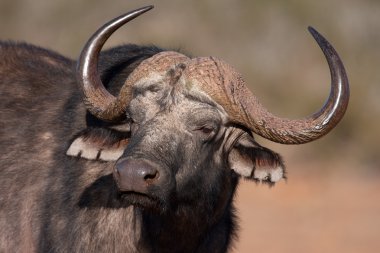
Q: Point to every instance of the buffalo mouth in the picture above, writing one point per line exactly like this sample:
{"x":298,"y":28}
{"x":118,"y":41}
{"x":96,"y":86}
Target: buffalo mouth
{"x":140,"y":200}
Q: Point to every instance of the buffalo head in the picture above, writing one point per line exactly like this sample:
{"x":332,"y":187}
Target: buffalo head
{"x":186,"y":126}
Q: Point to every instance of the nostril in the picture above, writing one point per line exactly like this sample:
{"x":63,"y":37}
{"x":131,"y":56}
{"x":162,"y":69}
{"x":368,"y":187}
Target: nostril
{"x":136,"y":175}
{"x":149,"y":177}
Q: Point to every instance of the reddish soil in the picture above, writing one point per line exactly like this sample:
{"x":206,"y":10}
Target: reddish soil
{"x":338,"y":212}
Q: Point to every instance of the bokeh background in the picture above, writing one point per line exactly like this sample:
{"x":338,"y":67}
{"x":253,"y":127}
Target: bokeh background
{"x":331,"y":200}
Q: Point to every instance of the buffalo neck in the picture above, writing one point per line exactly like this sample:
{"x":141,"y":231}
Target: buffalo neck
{"x":184,"y":231}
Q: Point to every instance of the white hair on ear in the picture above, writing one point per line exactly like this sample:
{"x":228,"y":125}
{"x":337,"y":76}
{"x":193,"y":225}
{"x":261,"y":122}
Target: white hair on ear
{"x":269,"y":174}
{"x":82,"y":149}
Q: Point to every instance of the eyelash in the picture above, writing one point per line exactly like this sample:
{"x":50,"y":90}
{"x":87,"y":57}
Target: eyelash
{"x":206,"y":129}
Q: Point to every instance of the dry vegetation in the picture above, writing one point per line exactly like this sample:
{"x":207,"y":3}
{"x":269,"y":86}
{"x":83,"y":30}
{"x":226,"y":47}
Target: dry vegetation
{"x":331,"y":200}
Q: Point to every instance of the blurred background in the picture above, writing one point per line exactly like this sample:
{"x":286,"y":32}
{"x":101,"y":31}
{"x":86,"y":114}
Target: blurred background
{"x":331,"y":200}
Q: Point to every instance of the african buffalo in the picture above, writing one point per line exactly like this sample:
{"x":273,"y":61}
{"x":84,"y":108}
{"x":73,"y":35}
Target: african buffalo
{"x":137,"y":149}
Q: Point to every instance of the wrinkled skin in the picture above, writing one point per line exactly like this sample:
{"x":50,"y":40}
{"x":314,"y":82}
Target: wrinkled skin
{"x":186,"y":137}
{"x":57,"y":186}
{"x":173,"y":134}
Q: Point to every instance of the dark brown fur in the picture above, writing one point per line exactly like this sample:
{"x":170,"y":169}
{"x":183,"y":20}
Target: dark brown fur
{"x":51,"y":202}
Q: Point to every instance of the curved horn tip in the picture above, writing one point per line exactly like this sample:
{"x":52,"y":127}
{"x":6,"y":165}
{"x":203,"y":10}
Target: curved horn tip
{"x":135,"y":13}
{"x":98,"y":100}
{"x":322,"y":41}
{"x":317,"y":36}
{"x":145,"y":8}
{"x":312,"y":29}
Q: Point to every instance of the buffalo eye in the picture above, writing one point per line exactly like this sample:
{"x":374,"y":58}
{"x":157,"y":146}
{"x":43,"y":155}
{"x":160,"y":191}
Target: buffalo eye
{"x":206,"y":132}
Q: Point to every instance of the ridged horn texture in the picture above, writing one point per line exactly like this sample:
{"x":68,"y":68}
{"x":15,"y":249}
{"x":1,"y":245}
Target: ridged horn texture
{"x":97,"y":99}
{"x":221,"y":82}
{"x":159,"y":63}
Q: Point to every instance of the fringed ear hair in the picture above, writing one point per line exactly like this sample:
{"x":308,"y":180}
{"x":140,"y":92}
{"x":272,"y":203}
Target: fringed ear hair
{"x":252,"y":161}
{"x":98,"y":144}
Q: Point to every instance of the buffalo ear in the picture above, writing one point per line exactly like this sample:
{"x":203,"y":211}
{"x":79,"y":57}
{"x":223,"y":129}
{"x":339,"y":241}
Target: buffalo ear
{"x":98,"y":144}
{"x":252,"y":161}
